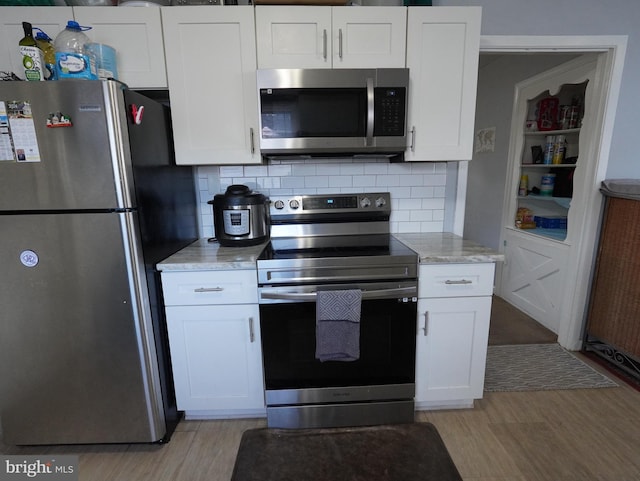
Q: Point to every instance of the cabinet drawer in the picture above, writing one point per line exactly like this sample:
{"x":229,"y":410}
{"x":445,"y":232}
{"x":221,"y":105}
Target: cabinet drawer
{"x":455,"y":280}
{"x":210,"y":287}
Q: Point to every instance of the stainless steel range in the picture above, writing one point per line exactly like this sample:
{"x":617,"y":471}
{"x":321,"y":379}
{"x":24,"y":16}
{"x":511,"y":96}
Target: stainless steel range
{"x":337,"y":243}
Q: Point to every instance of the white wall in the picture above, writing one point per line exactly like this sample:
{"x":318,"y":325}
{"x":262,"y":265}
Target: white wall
{"x":580,"y":17}
{"x":417,"y":189}
{"x":487,"y":171}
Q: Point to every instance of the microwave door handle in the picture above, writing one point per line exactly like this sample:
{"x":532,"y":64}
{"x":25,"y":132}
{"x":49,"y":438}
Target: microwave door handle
{"x":370,"y":103}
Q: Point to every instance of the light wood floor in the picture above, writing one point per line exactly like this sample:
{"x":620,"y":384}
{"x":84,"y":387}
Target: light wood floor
{"x":572,"y":435}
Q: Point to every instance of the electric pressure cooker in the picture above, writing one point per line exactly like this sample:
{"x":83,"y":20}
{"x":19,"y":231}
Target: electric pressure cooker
{"x":241,"y":216}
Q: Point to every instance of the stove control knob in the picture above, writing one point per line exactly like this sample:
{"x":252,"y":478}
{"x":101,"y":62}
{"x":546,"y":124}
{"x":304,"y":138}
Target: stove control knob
{"x":278,"y":204}
{"x":365,"y":202}
{"x":380,"y":202}
{"x":294,"y":204}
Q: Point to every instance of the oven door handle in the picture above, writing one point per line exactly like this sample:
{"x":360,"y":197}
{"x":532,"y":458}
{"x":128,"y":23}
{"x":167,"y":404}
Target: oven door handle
{"x":311,"y":296}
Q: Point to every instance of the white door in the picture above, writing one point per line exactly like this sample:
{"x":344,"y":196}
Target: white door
{"x":51,"y":20}
{"x":136,"y":34}
{"x":442,"y":55}
{"x":540,"y":273}
{"x":293,"y":36}
{"x":451,"y":348}
{"x":211,"y":68}
{"x":216,"y":357}
{"x":369,"y":37}
{"x":534,"y":276}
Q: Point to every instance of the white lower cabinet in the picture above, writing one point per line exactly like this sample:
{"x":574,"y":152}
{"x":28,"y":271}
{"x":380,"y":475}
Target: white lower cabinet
{"x":215,"y":348}
{"x":454,"y":309}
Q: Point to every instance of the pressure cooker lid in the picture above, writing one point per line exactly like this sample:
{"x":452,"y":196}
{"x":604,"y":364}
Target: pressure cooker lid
{"x":238,"y":194}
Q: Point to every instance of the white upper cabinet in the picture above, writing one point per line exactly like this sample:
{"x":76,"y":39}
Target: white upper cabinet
{"x":331,"y":37}
{"x":136,"y":34}
{"x":443,"y":45}
{"x":211,"y":67}
{"x":50,"y":20}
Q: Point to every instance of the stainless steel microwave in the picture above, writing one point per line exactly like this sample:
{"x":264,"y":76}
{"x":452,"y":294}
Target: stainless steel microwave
{"x":333,"y":112}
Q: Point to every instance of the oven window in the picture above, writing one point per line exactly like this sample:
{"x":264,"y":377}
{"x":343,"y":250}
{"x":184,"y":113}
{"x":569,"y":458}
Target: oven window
{"x":387,"y":346}
{"x":294,"y":113}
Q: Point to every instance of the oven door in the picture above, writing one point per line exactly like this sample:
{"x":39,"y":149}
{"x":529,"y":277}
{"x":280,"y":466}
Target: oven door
{"x":385,"y":369}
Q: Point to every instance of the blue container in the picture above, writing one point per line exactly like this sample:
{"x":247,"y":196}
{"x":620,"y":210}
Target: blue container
{"x":105,"y":59}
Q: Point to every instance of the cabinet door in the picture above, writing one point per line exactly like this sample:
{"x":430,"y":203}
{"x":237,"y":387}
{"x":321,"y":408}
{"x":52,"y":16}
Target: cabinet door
{"x":442,"y":54}
{"x":136,"y":34}
{"x":451,"y":348}
{"x":50,"y":19}
{"x":293,"y":36}
{"x":211,"y":68}
{"x":369,"y":37}
{"x":216,"y":357}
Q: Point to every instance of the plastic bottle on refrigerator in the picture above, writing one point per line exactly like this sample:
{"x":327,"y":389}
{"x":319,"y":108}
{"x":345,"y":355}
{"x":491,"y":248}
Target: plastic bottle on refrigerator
{"x":45,"y":43}
{"x":72,"y":60}
{"x":32,"y":56}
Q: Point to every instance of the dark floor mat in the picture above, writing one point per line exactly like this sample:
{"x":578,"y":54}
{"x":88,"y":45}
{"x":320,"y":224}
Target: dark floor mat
{"x":404,"y":452}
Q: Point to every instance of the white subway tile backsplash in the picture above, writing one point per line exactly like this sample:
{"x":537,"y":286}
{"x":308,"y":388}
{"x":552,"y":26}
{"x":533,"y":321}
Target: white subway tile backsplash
{"x":417,"y":189}
{"x":316,"y":181}
{"x":379,"y":169}
{"x":328,"y":169}
{"x":363,"y":180}
{"x":336,"y":181}
{"x":279,"y":170}
{"x":303,"y":169}
{"x":421,"y":192}
{"x":294,"y":183}
{"x":387,"y":180}
{"x":231,"y":171}
{"x":435,"y":179}
{"x":256,"y":171}
{"x":352,"y":169}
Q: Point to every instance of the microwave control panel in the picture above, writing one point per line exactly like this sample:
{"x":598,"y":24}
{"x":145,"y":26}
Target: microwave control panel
{"x":390,"y":111}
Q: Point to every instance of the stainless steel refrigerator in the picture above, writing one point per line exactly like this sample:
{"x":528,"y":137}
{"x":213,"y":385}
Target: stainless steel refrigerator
{"x":90,"y":201}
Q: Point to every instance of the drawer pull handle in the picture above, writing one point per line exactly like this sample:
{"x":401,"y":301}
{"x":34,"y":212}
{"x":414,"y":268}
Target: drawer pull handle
{"x":426,"y":323}
{"x":458,"y":282}
{"x":252,"y":335}
{"x":209,"y":289}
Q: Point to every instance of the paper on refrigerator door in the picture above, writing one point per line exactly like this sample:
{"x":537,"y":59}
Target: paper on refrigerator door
{"x":22,"y":131}
{"x":6,"y":148}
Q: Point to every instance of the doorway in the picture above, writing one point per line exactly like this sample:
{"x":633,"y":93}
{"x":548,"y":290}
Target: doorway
{"x":506,"y":61}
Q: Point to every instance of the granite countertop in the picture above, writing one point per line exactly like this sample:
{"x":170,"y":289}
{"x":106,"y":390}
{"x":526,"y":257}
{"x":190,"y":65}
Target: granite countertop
{"x":203,"y":255}
{"x":431,"y":248}
{"x":444,"y":247}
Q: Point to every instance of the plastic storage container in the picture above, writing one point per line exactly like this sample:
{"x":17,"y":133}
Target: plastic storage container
{"x":72,"y":59}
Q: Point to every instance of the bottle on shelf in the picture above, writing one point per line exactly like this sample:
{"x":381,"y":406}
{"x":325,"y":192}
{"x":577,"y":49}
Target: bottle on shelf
{"x":524,"y":185}
{"x":72,"y":59}
{"x":32,"y":56}
{"x":559,"y":148}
